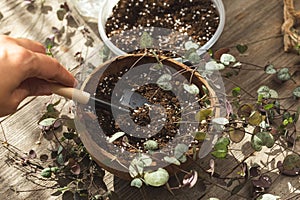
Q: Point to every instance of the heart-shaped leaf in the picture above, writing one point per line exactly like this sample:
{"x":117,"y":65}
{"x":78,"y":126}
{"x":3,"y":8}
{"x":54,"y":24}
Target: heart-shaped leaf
{"x":262,"y":139}
{"x":296,"y":92}
{"x":180,"y":150}
{"x":146,"y":40}
{"x":203,"y":114}
{"x":255,"y":118}
{"x":172,"y":160}
{"x":47,"y":122}
{"x":236,"y":134}
{"x":221,"y":148}
{"x":242,"y":48}
{"x":200,"y":136}
{"x":157,"y":178}
{"x":137,"y":182}
{"x":191,"y":88}
{"x":226,"y":59}
{"x":164,"y":82}
{"x":284,"y":74}
{"x":194,"y":57}
{"x":214,"y":66}
{"x":190,"y":45}
{"x":245,"y":110}
{"x":269,"y":69}
{"x":151,"y":145}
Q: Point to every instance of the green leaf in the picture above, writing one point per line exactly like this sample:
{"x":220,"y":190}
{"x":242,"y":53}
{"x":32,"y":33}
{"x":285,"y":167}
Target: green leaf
{"x":172,"y":160}
{"x":269,"y":69}
{"x":221,"y":148}
{"x":198,"y":135}
{"x":236,"y":91}
{"x":267,"y":93}
{"x":283,"y":74}
{"x":151,"y":145}
{"x":214,"y":66}
{"x":115,"y":136}
{"x":203,"y":114}
{"x":226,"y":59}
{"x":164,"y":82}
{"x":61,"y":14}
{"x":291,"y":162}
{"x":255,"y":118}
{"x":46,"y":173}
{"x":146,"y":40}
{"x":262,"y":139}
{"x":137,"y":182}
{"x":137,"y":165}
{"x":191,"y":88}
{"x":157,"y":178}
{"x":220,"y":121}
{"x":242,"y":48}
{"x":222,"y":143}
{"x":180,"y":150}
{"x":194,"y":57}
{"x":220,"y":153}
{"x":54,"y":169}
{"x":47,"y":122}
{"x":269,"y":106}
{"x":190,"y":45}
{"x":296,"y":92}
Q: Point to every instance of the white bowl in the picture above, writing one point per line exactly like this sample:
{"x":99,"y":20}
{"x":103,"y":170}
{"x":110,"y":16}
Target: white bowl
{"x":106,"y":11}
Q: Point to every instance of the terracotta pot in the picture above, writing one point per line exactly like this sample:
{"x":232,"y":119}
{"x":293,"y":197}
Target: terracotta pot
{"x":87,"y":123}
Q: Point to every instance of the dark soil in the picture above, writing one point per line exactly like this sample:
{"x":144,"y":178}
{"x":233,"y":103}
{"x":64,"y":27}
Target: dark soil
{"x":168,"y":116}
{"x":175,"y":21}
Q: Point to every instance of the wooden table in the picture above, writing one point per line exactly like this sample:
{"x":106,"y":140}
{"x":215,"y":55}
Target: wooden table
{"x":253,"y":22}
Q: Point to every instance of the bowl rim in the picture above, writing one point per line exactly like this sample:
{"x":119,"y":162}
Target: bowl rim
{"x":101,"y":28}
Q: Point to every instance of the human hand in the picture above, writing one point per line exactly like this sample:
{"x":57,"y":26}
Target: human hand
{"x":25,"y":70}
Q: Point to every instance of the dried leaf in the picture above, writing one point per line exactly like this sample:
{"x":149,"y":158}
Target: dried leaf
{"x":115,"y":136}
{"x":236,"y":134}
{"x":190,"y":179}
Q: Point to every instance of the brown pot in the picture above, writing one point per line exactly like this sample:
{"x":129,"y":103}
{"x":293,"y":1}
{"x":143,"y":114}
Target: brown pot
{"x":88,"y":126}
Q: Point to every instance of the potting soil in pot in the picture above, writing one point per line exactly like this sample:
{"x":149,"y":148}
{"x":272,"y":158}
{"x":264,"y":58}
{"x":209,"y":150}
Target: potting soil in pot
{"x":169,"y":22}
{"x":172,"y":114}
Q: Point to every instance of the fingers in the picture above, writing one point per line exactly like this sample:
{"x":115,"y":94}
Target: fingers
{"x":22,"y":42}
{"x":31,"y":45}
{"x":30,"y":87}
{"x":47,"y":68}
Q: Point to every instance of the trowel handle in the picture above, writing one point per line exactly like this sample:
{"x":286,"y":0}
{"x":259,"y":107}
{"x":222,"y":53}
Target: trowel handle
{"x":77,"y":95}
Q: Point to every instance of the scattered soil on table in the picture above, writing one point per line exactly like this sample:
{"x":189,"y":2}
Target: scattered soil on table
{"x":175,"y":21}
